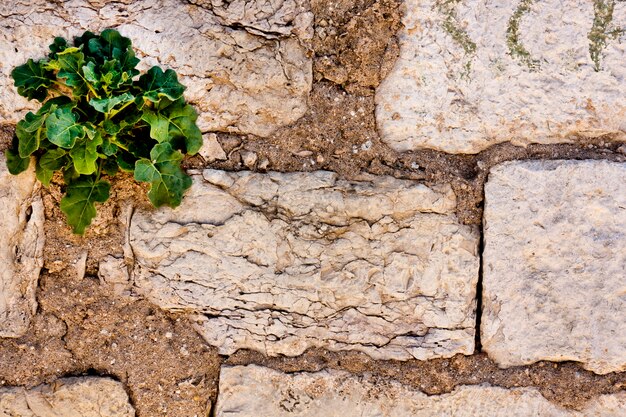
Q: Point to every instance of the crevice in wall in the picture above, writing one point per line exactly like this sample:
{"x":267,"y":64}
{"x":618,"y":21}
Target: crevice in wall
{"x":479,"y":292}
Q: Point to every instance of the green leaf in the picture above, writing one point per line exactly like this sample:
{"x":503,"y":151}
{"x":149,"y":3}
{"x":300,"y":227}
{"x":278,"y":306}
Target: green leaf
{"x":175,"y":123}
{"x":50,"y":162}
{"x":69,"y":173}
{"x":108,"y":148}
{"x":78,"y":204}
{"x":28,"y":132}
{"x":84,"y":154}
{"x":156,"y":84}
{"x":63,"y":129}
{"x":126,"y":161}
{"x":91,"y":76}
{"x":159,"y":125}
{"x":53,"y":159}
{"x":43,"y":175}
{"x":110,"y":167}
{"x":58,"y":45}
{"x":54,"y":103}
{"x":169,"y":181}
{"x":32,"y":80}
{"x":15,"y":163}
{"x":70,"y":63}
{"x":107,"y":104}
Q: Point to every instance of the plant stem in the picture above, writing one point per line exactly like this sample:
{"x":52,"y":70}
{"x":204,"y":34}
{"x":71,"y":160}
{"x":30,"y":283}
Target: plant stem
{"x":115,"y":112}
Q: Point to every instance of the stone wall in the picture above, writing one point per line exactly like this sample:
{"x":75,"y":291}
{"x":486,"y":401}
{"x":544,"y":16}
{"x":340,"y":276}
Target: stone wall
{"x":408,"y":208}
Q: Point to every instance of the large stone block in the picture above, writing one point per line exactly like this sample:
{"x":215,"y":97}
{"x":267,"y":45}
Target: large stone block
{"x":70,"y":397}
{"x":250,"y":391}
{"x":475,"y":73}
{"x":283,"y":262}
{"x":246,"y":68}
{"x":554,"y":264}
{"x":21,"y":249}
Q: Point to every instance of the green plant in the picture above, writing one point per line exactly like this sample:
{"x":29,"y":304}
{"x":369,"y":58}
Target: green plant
{"x":98,"y":117}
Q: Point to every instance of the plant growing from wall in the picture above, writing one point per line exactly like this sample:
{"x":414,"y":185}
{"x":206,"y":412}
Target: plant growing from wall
{"x":98,"y":117}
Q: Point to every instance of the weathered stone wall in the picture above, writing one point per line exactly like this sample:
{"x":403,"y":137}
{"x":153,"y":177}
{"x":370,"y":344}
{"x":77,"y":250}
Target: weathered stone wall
{"x":284,"y":262}
{"x":475,"y":73}
{"x":21,"y":249}
{"x":69,"y":397}
{"x":445,"y":270}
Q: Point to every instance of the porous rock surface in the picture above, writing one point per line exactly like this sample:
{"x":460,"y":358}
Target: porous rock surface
{"x":69,"y":397}
{"x":21,"y":249}
{"x":250,"y":391}
{"x":245,"y":64}
{"x":283,"y":262}
{"x":475,"y":73}
{"x":554,"y":264}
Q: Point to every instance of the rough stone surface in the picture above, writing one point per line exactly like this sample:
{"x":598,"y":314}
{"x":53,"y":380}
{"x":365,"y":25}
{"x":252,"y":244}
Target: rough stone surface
{"x":21,"y":249}
{"x":555,"y":264}
{"x":70,"y":397}
{"x":472,"y":74}
{"x":211,"y":149}
{"x":247,"y":391}
{"x":246,"y":69}
{"x":113,"y":271}
{"x":283,"y":262}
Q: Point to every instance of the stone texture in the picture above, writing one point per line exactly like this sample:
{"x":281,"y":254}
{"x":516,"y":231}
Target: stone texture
{"x":211,"y":149}
{"x":113,"y":272}
{"x":250,"y":391}
{"x":21,"y":249}
{"x":472,"y":74}
{"x":554,"y":264}
{"x":283,"y":262}
{"x":70,"y":397}
{"x":246,"y":69}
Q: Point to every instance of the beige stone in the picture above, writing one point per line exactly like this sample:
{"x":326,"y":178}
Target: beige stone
{"x":113,"y":272}
{"x":283,"y":262}
{"x":251,"y":391}
{"x":69,"y":397}
{"x":554,"y":264}
{"x":21,"y":249}
{"x":240,"y":78}
{"x":475,"y":73}
{"x":211,"y":149}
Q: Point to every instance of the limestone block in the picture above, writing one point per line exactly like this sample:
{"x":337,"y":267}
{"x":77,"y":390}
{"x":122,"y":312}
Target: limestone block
{"x":554,"y":264}
{"x":475,"y":73}
{"x":283,"y":262}
{"x":21,"y":249}
{"x":69,"y":397}
{"x":250,"y":391}
{"x":240,"y":78}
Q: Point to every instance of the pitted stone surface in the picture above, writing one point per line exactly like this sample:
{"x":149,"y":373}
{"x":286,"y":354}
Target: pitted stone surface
{"x":250,"y":77}
{"x":283,"y":262}
{"x":21,"y":249}
{"x":70,"y":397}
{"x":554,"y":264}
{"x":250,"y":391}
{"x":475,"y":73}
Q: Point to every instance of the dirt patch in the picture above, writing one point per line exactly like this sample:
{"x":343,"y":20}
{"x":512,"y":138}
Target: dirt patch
{"x":355,"y":44}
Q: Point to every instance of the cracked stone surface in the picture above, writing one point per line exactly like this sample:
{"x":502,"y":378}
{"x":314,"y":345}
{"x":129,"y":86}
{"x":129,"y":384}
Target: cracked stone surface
{"x":472,"y":74}
{"x":246,"y":68}
{"x":21,"y":249}
{"x":69,"y":397}
{"x":279,"y":263}
{"x":250,"y":391}
{"x":555,"y":264}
